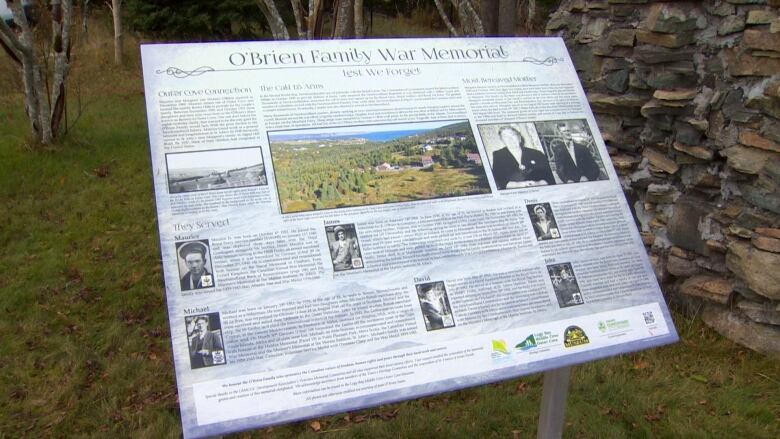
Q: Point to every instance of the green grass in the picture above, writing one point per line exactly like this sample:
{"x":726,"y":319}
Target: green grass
{"x":84,"y":338}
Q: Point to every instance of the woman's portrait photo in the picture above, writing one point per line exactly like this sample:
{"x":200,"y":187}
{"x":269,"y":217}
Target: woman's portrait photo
{"x":517,"y":158}
{"x":543,"y":221}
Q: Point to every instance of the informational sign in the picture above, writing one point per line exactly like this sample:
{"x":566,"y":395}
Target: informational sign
{"x":351,"y":223}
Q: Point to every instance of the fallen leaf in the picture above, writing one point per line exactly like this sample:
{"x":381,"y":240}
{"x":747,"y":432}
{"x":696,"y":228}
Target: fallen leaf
{"x":521,"y":388}
{"x":699,"y":378}
{"x":315,"y":425}
{"x":703,"y":402}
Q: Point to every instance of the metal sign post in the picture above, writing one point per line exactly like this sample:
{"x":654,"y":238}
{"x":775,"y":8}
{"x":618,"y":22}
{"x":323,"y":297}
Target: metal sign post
{"x":553,"y":408}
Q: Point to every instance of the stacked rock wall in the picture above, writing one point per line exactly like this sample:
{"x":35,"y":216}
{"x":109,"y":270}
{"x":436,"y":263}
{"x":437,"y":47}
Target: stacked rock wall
{"x":687,"y":96}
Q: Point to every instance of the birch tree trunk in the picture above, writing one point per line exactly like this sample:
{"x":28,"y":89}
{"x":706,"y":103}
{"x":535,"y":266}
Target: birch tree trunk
{"x":119,"y":47}
{"x":488,"y":13}
{"x":45,"y":111}
{"x":314,"y":20}
{"x":275,"y":21}
{"x":344,"y":19}
{"x":446,"y":19}
{"x":507,"y":17}
{"x":297,"y":8}
{"x":360,"y":30}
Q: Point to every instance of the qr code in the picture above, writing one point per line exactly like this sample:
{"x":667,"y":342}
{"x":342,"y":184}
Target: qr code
{"x":649,"y":318}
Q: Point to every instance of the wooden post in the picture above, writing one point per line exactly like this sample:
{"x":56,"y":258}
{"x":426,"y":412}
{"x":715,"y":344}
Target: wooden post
{"x":553,"y":409}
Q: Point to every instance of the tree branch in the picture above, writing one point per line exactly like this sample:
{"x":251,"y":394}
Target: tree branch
{"x":275,"y":21}
{"x":298,"y":13}
{"x":445,"y":18}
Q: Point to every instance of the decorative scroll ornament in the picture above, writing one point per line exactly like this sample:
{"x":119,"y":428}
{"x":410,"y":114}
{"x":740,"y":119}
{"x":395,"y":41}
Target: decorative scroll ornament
{"x":179,"y":73}
{"x":549,"y":61}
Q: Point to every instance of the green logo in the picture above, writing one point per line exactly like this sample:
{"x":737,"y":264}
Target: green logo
{"x":500,"y":346}
{"x":528,"y":343}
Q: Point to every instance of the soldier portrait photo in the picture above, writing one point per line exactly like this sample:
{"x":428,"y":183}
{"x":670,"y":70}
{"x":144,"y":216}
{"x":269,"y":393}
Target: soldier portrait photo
{"x":204,"y":339}
{"x":435,"y":305}
{"x":195,"y":270}
{"x":344,"y":247}
{"x":565,"y":285}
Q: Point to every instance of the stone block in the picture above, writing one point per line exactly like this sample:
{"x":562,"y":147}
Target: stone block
{"x":765,"y":196}
{"x":619,"y":105}
{"x":660,"y":161}
{"x":716,"y":289}
{"x":765,"y":312}
{"x":671,"y":41}
{"x":592,"y":29}
{"x":649,"y":54}
{"x":743,"y":64}
{"x":752,"y":138}
{"x":616,"y":81}
{"x":622,"y":37}
{"x":668,"y":18}
{"x":699,"y":152}
{"x":731,"y":24}
{"x":760,"y":16}
{"x":768,"y":231}
{"x":761,"y":40}
{"x":740,"y":329}
{"x":683,"y":227}
{"x":766,"y":243}
{"x":685,"y":133}
{"x":675,"y":95}
{"x":758,"y":268}
{"x":747,"y":160}
{"x":720,"y":8}
{"x":680,"y":267}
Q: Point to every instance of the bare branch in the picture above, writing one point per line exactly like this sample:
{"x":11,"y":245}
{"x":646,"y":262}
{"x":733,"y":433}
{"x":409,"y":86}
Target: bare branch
{"x":445,"y":18}
{"x":472,"y":17}
{"x":299,"y":14}
{"x":10,"y":40}
{"x":275,"y":21}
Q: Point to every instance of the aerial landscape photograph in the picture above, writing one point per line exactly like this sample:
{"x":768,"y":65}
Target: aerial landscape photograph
{"x":329,"y":168}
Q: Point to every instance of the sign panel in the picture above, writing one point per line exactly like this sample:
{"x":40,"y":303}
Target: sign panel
{"x":350,"y":223}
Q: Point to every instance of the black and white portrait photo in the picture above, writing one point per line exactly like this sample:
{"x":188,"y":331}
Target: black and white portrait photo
{"x":204,"y":339}
{"x":543,"y":221}
{"x":516,"y":156}
{"x":435,"y":305}
{"x":565,"y":284}
{"x":195,"y":270}
{"x":573,"y":154}
{"x":344,"y":247}
{"x":215,"y":169}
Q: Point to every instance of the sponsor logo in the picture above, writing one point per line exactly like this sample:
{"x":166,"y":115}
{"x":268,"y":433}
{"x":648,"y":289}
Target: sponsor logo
{"x":499,"y":346}
{"x":574,"y":336}
{"x":538,"y":340}
{"x":528,"y":343}
{"x":611,"y":325}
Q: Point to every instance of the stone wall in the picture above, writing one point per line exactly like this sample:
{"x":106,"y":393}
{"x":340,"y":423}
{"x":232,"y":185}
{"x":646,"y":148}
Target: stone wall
{"x":687,"y":96}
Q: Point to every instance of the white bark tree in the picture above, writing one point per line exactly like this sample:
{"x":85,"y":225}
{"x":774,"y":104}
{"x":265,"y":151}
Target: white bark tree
{"x":347,"y":19}
{"x":44,"y":82}
{"x":119,"y":36}
{"x":470,"y":23}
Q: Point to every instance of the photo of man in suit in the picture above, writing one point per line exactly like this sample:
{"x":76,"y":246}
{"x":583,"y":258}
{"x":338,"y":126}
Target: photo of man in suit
{"x":205,"y":343}
{"x":573,"y":150}
{"x":194,"y":256}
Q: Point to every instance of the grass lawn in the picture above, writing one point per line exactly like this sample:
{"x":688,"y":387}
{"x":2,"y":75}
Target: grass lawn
{"x":84,"y":337}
